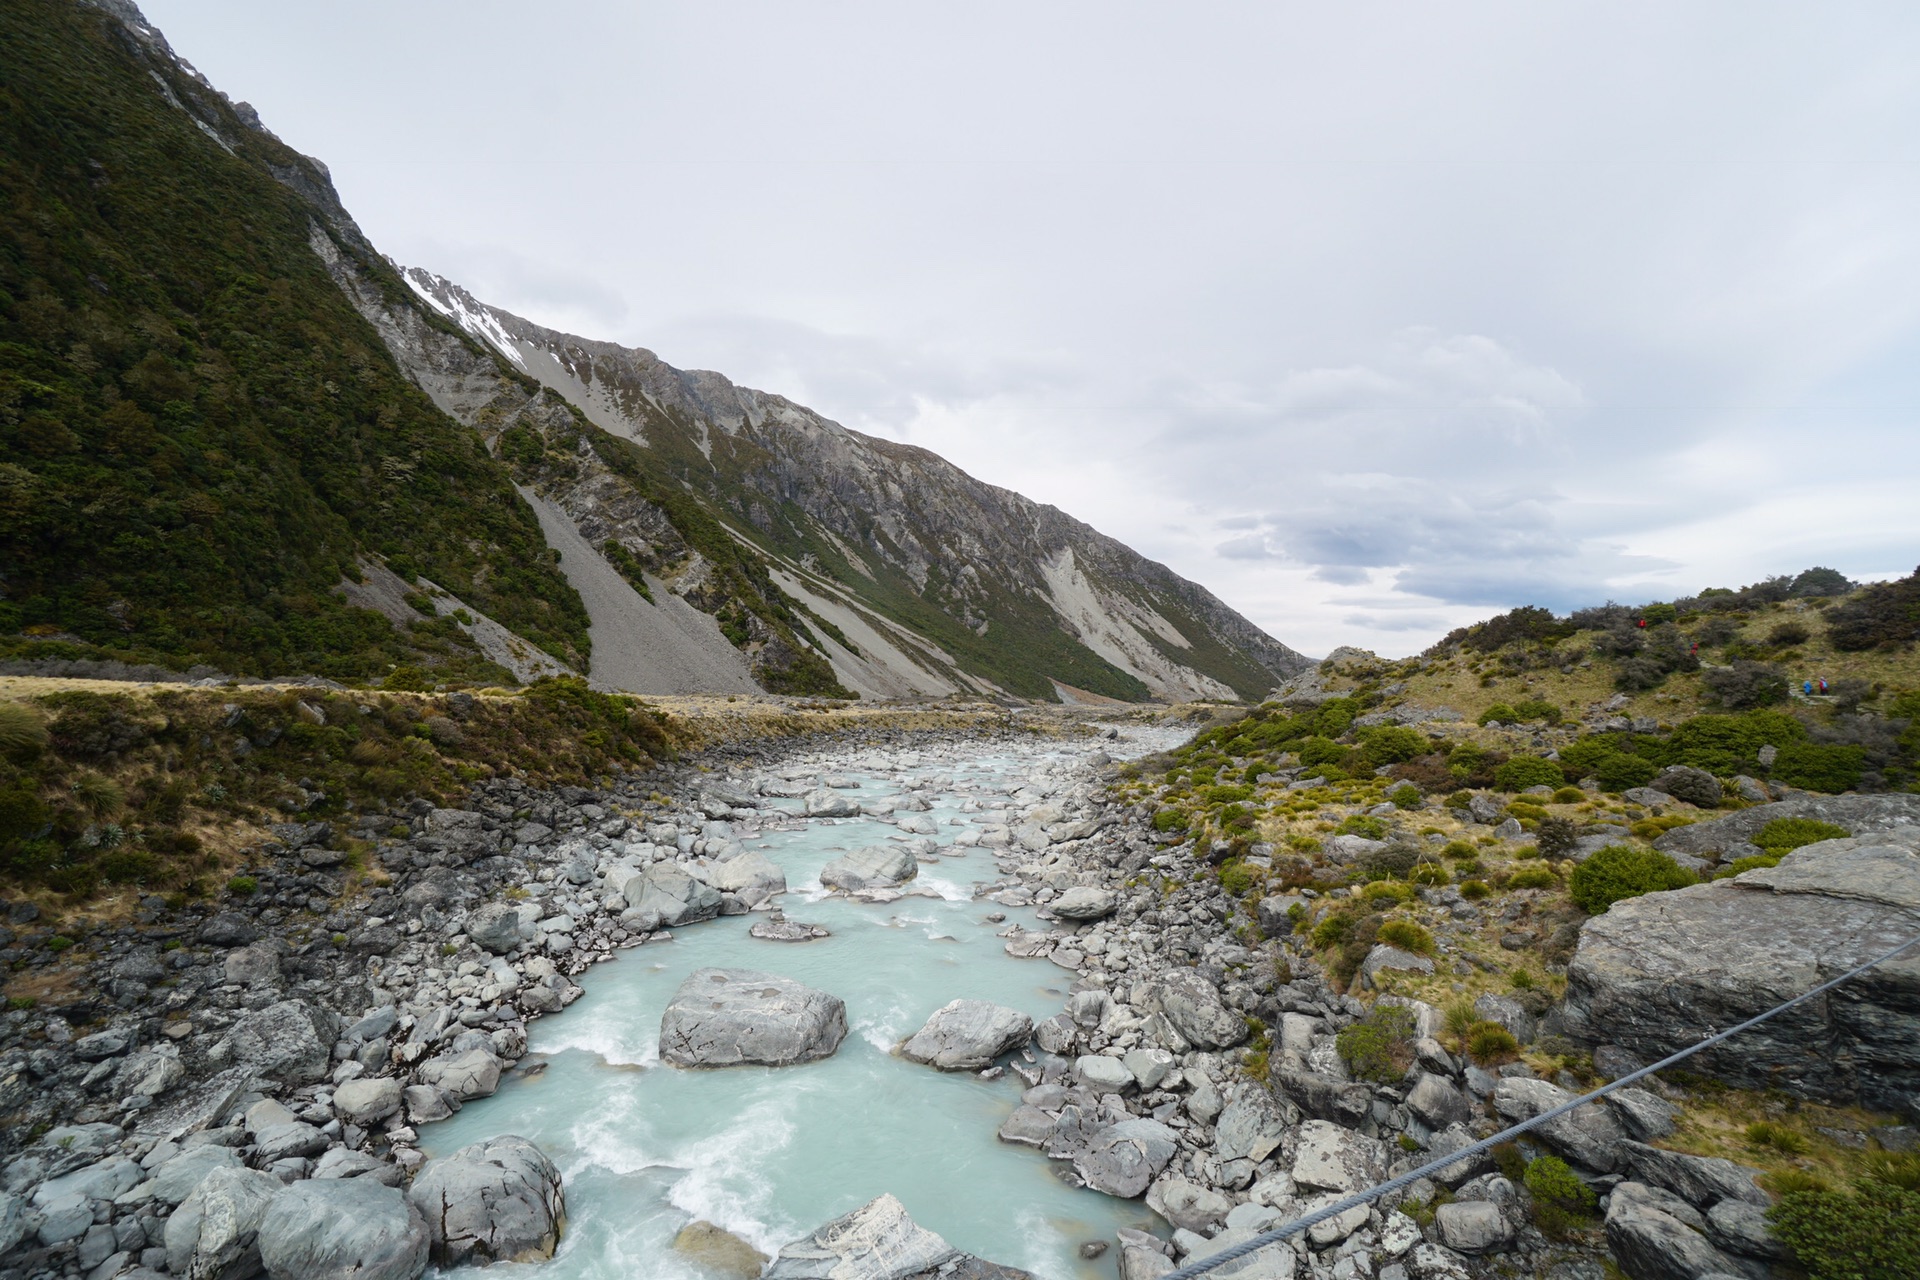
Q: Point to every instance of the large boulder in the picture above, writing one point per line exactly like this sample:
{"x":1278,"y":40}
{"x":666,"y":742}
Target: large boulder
{"x":471,"y":1073}
{"x":495,"y":1201}
{"x":364,"y":1101}
{"x":1655,"y":973}
{"x":1123,"y":1159}
{"x":1253,"y":1124}
{"x":1330,"y":1158}
{"x":1083,"y":903}
{"x":1192,"y":1005}
{"x":966,"y":1035}
{"x":1862,"y":815}
{"x":877,"y":1241}
{"x":1590,"y":1136}
{"x":878,"y":866}
{"x":342,"y":1229}
{"x":291,"y":1041}
{"x":174,"y":1180}
{"x":214,"y":1234}
{"x":665,"y":897}
{"x":1694,"y":786}
{"x":825,"y":804}
{"x":719,"y":1250}
{"x":1652,"y":1239}
{"x":751,"y":875}
{"x":729,"y":1017}
{"x":498,"y":927}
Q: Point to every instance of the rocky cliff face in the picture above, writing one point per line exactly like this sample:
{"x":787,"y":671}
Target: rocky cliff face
{"x":968,"y":585}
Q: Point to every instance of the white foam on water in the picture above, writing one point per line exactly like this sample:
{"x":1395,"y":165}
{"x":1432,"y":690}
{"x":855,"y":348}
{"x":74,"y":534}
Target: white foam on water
{"x":724,"y":1184}
{"x":947,"y":889}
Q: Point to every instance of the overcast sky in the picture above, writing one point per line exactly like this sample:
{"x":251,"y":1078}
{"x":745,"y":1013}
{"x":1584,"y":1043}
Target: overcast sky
{"x":1375,"y":319}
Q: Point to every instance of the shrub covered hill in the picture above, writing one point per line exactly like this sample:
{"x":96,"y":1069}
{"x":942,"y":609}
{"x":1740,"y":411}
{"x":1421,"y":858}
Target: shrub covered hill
{"x":232,"y":434}
{"x":1483,"y":828}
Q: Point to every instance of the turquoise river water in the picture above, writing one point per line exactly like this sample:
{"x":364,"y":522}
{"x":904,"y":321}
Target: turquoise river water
{"x":770,"y":1153}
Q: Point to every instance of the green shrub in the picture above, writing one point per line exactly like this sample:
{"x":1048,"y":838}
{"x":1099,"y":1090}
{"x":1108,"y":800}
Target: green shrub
{"x":1532,"y":709}
{"x":1169,"y":820}
{"x":1520,"y":980}
{"x":1391,"y":744}
{"x":1820,"y":766}
{"x":1490,"y":1044}
{"x":1406,"y":796}
{"x":1379,"y":1047}
{"x":59,"y":942}
{"x":1557,"y":837}
{"x":1872,"y":1234}
{"x":1532,"y":878}
{"x":1460,"y":1017}
{"x":1499,"y":711}
{"x":1407,"y":936}
{"x":1784,"y":835}
{"x":1460,"y":849}
{"x":1521,"y":772}
{"x":23,"y":734}
{"x":1620,"y":771}
{"x":1238,"y":877}
{"x":1474,"y":890}
{"x":1775,"y":1137}
{"x":1621,"y":871}
{"x":1429,"y":873}
{"x":1387,"y":891}
{"x":1562,"y":1203}
{"x":241,"y":886}
{"x":1361,"y":824}
{"x":1569,"y":795}
{"x":1746,"y":684}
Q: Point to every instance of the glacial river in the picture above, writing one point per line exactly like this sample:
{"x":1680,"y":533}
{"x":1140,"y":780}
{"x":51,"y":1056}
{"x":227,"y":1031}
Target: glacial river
{"x":771,"y":1153}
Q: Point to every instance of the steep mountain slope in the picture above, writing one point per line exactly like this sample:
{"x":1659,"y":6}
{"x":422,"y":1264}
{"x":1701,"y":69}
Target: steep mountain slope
{"x":953,"y":582}
{"x":235,"y":434}
{"x":199,"y":439}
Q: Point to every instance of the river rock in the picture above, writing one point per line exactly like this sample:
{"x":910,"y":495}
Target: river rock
{"x":495,"y":1201}
{"x":364,"y":1101}
{"x":1083,"y":903}
{"x":213,"y":1235}
{"x":825,"y":804}
{"x":787,"y":931}
{"x":716,"y":1249}
{"x":471,"y":1073}
{"x":1437,"y":1102}
{"x":174,"y":1180}
{"x":1102,"y":1074}
{"x":498,"y":927}
{"x":1253,"y":1124}
{"x":874,"y":867}
{"x":291,"y":1041}
{"x":1123,"y":1159}
{"x":342,"y":1229}
{"x":751,"y":875}
{"x":13,"y":1221}
{"x":1654,"y":973}
{"x":1694,"y":786}
{"x":665,"y":897}
{"x":729,"y":1017}
{"x":967,"y":1035}
{"x":877,"y":1241}
{"x":1187,"y":1206}
{"x":1192,"y":1005}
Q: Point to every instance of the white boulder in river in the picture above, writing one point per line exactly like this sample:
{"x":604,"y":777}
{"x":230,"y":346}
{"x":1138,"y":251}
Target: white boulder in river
{"x":877,"y":1241}
{"x":730,"y":1017}
{"x":495,"y":1201}
{"x":342,"y":1229}
{"x":877,"y":866}
{"x":966,"y":1035}
{"x":664,"y":896}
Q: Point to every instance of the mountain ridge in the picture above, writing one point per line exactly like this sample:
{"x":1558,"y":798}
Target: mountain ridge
{"x":603,"y":512}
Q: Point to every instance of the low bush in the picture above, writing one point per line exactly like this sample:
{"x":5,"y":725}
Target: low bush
{"x":1871,"y":1234}
{"x":1532,"y":878}
{"x":1767,"y":1135}
{"x":1238,"y":877}
{"x":1557,"y":837}
{"x":1620,"y":771}
{"x":1407,"y":936}
{"x":1562,"y":1203}
{"x":23,"y":734}
{"x":1746,"y":685}
{"x":1474,"y":890}
{"x":1816,"y":766}
{"x":1621,"y":871}
{"x":1521,"y":772}
{"x":1784,"y":835}
{"x":1489,"y":1044}
{"x":1379,"y":1047}
{"x":1169,"y":820}
{"x":1406,"y":796}
{"x":1429,"y":873}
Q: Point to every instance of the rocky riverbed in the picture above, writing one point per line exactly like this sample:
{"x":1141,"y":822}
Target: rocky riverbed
{"x":914,"y":974}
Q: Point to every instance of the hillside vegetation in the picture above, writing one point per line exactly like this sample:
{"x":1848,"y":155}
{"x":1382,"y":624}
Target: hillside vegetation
{"x":198,"y":435}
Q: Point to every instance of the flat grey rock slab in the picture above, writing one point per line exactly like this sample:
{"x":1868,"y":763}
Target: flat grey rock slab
{"x":736,"y":1017}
